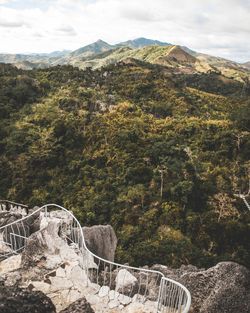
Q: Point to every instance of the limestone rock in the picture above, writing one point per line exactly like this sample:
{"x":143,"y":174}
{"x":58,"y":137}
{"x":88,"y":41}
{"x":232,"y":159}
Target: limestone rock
{"x":46,"y":245}
{"x":101,"y":240}
{"x":73,"y":295}
{"x":136,"y":308}
{"x":113,"y":295}
{"x":79,"y":306}
{"x":223,"y":288}
{"x":104,"y":291}
{"x":59,"y":283}
{"x":93,"y":299}
{"x":125,"y":300}
{"x":60,"y":272}
{"x":40,"y":285}
{"x":10,"y":264}
{"x":12,"y":279}
{"x":113,"y":304}
{"x":16,"y":300}
{"x":78,"y":277}
{"x":126,"y":283}
{"x":124,"y":278}
{"x":33,"y":220}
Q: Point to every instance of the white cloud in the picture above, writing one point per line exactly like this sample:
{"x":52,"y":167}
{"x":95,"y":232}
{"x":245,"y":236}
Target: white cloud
{"x":6,"y":23}
{"x":217,"y":27}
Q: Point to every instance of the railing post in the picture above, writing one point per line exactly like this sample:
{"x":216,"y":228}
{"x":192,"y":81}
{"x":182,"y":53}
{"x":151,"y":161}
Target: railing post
{"x":159,"y":301}
{"x":45,"y":212}
{"x":181,"y":294}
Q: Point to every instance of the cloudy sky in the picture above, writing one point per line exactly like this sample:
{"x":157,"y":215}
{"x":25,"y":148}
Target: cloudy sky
{"x":217,"y":27}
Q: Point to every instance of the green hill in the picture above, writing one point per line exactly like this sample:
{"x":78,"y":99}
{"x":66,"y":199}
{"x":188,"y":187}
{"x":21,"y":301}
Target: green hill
{"x":172,"y":56}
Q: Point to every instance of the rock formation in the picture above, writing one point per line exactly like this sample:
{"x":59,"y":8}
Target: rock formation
{"x":101,"y":240}
{"x":224,"y":288}
{"x":53,"y":264}
{"x":16,"y":300}
{"x":79,"y":306}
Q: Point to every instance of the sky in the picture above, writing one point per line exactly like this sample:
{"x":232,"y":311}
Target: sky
{"x":216,"y":27}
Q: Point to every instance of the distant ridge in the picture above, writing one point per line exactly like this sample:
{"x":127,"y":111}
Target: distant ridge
{"x":247,"y":64}
{"x":143,"y":42}
{"x":100,"y":53}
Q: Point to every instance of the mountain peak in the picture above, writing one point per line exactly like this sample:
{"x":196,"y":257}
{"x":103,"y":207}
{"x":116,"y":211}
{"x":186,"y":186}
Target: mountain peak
{"x":96,"y":47}
{"x":100,"y":41}
{"x":143,"y":42}
{"x":176,"y":53}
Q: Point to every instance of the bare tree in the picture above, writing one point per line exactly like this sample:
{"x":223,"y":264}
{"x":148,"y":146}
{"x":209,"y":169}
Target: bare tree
{"x":162,"y":171}
{"x":244,"y":195}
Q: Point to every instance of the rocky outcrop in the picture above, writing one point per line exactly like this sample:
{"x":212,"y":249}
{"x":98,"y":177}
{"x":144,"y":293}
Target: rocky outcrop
{"x":46,"y":246}
{"x":8,"y":217}
{"x":53,"y":264}
{"x":50,"y":264}
{"x":16,"y":300}
{"x":224,"y":288}
{"x":79,"y":306}
{"x":34,"y":220}
{"x":126,"y":283}
{"x":101,"y":240}
{"x":12,"y":263}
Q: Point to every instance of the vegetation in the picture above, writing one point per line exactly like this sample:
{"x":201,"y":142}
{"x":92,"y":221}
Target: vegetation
{"x":156,"y":154}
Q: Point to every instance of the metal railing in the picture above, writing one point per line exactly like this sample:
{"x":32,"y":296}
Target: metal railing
{"x":124,"y":282}
{"x":6,"y":205}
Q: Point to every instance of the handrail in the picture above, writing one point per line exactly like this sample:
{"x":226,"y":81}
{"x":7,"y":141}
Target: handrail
{"x":172,"y":295}
{"x":14,"y":203}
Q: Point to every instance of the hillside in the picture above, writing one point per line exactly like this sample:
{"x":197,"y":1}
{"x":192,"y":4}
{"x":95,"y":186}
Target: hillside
{"x":157,"y":154}
{"x":170,"y":56}
{"x":178,"y":58}
{"x":149,"y":54}
{"x":247,"y":65}
{"x":101,"y":53}
{"x":226,"y":67}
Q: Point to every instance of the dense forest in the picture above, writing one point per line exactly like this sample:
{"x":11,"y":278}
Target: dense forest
{"x":158,"y":155}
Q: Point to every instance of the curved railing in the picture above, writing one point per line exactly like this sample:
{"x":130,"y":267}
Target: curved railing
{"x":124,"y":281}
{"x":6,"y":205}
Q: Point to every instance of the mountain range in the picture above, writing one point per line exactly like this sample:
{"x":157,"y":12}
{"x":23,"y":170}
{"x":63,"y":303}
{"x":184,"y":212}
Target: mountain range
{"x":100,"y":53}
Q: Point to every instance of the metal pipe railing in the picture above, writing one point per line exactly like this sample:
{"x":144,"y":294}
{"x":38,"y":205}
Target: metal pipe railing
{"x":6,"y":205}
{"x":145,"y":284}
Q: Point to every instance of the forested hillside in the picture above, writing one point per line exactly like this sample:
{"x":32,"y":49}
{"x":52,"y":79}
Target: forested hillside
{"x":158,"y":155}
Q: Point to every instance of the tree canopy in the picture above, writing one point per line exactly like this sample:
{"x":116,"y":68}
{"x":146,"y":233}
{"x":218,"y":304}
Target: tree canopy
{"x":159,"y":156}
